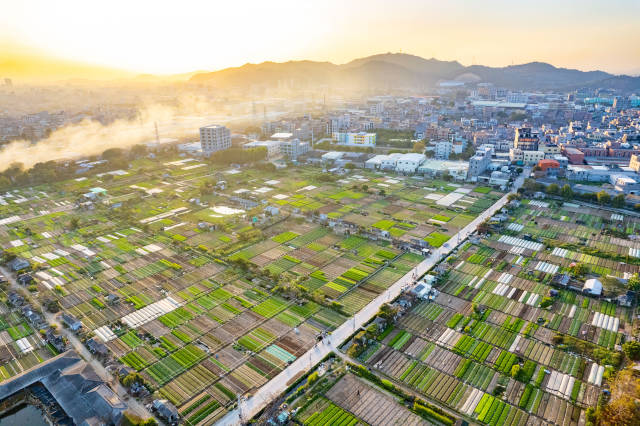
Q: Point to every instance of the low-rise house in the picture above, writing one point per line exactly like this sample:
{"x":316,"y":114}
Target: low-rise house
{"x":627,"y":299}
{"x":166,"y":410}
{"x":55,"y":340}
{"x":15,"y":299}
{"x":70,"y":321}
{"x":24,"y":279}
{"x":19,"y":264}
{"x":112,"y":299}
{"x":97,"y":348}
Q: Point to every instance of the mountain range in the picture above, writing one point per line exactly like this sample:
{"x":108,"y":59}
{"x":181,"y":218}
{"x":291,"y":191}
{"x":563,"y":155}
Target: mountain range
{"x":400,"y":70}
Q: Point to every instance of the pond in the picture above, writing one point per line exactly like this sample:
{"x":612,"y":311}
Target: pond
{"x":24,"y":415}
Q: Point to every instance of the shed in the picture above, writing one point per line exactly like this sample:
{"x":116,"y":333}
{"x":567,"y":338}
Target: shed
{"x":593,"y":287}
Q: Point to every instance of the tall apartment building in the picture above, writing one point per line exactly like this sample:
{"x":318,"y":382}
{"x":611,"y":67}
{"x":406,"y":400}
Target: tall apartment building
{"x":214,"y":138}
{"x":480,"y":161}
{"x":634,"y":163}
{"x":355,"y":139}
{"x":525,"y":139}
{"x":293,"y":148}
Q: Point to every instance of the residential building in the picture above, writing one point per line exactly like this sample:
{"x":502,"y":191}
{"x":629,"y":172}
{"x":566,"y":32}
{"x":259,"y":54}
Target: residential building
{"x":562,"y":160}
{"x":444,"y":148}
{"x":548,"y":164}
{"x":479,"y":162}
{"x":272,"y":147}
{"x":625,"y":184}
{"x":582,"y":172}
{"x":574,"y":155}
{"x":525,"y":139}
{"x":355,"y":139}
{"x":526,"y":158}
{"x":549,"y":149}
{"x":70,"y":321}
{"x":499,"y":178}
{"x":214,"y":138}
{"x":293,"y":148}
{"x":634,"y":163}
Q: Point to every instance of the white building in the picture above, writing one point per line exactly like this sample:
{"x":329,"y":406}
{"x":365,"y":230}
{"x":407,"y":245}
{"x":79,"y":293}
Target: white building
{"x":409,"y":163}
{"x":191,"y":148}
{"x":443,"y":149}
{"x":214,"y":138}
{"x":272,"y":147}
{"x":293,"y":148}
{"x":480,"y":161}
{"x":457,"y":169}
{"x":592,"y":287}
{"x":383,"y":162}
{"x":355,"y":139}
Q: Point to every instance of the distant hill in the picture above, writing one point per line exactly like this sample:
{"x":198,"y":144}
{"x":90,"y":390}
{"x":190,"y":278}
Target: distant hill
{"x":399,"y":70}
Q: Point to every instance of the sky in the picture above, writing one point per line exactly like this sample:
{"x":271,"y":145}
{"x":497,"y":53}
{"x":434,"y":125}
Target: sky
{"x":168,"y":37}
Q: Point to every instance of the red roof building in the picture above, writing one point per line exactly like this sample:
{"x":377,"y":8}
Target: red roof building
{"x":548,"y":164}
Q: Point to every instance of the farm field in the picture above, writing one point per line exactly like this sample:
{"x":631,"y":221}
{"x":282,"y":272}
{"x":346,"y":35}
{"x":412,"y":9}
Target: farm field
{"x":351,"y":401}
{"x":510,"y":337}
{"x":208,"y":294}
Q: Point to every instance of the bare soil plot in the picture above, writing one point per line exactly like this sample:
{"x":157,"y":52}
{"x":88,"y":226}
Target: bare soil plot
{"x":369,"y":404}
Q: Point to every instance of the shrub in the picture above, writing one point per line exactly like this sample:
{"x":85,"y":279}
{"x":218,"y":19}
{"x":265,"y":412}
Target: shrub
{"x":632,"y":350}
{"x":429,"y":413}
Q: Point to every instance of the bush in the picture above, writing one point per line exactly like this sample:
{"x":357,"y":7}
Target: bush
{"x":546,"y":302}
{"x":313,"y":377}
{"x":429,"y":413}
{"x":387,"y":385}
{"x":632,"y":350}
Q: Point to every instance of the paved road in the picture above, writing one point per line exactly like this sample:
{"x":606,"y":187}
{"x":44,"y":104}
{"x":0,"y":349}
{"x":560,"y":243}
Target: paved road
{"x":247,"y":408}
{"x":135,"y":406}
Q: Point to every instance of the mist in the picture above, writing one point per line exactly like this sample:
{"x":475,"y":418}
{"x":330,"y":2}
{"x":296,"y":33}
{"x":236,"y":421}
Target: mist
{"x":90,"y":137}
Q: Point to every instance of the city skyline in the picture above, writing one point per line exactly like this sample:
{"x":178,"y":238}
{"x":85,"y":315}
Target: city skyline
{"x":159,"y":39}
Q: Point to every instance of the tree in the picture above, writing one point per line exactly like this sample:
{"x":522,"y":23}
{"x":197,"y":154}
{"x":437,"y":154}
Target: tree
{"x":566,"y":192}
{"x":138,"y":150}
{"x":618,"y":201}
{"x":515,"y":371}
{"x":546,"y":302}
{"x":634,"y":282}
{"x":579,"y":269}
{"x":483,"y":227}
{"x":418,"y":147}
{"x":313,"y":377}
{"x":74,"y":223}
{"x":387,"y":312}
{"x":553,"y":189}
{"x":517,"y":116}
{"x":603,"y":197}
{"x":632,"y":350}
{"x":132,"y":378}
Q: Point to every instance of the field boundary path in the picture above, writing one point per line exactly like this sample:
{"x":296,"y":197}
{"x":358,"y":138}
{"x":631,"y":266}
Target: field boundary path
{"x":249,"y":407}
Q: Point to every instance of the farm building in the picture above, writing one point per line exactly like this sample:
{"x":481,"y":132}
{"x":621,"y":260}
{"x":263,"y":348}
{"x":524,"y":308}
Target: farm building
{"x":593,"y":287}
